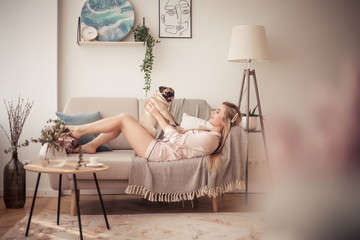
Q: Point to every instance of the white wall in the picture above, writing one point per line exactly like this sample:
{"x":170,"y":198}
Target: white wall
{"x":307,"y":40}
{"x":28,"y":67}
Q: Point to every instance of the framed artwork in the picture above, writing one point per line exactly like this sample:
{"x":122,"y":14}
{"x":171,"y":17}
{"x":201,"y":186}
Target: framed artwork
{"x":175,"y":18}
{"x":110,"y":20}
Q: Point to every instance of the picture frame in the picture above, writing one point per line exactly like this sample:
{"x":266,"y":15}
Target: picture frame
{"x":175,"y":18}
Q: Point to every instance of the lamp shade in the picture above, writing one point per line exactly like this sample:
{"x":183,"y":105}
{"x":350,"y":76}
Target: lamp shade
{"x":248,"y":42}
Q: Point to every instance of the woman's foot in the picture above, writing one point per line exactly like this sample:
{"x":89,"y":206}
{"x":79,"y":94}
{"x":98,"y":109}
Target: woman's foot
{"x":84,"y":149}
{"x":71,"y":144}
{"x":74,"y":130}
{"x":87,"y":148}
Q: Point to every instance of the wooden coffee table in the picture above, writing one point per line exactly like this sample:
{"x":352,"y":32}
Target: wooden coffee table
{"x":68,"y":168}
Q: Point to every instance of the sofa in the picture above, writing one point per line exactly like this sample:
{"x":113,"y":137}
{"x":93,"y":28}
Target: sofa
{"x":121,"y":157}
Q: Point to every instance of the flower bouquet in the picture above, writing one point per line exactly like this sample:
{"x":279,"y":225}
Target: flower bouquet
{"x":57,"y":141}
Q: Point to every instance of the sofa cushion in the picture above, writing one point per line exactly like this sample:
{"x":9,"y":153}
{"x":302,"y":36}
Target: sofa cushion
{"x":190,"y":122}
{"x":83,"y":118}
{"x":119,"y":162}
{"x":78,"y":118}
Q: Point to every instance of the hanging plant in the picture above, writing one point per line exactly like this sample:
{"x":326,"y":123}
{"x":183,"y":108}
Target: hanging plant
{"x":141,"y":34}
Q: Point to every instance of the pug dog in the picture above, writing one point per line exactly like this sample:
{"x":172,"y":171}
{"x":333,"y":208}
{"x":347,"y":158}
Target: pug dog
{"x":161,"y":99}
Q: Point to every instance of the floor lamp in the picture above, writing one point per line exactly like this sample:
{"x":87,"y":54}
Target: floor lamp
{"x":248,"y":43}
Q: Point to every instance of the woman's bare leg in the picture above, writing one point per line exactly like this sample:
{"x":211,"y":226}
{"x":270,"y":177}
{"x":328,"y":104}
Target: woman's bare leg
{"x":105,"y":125}
{"x":103,"y":138}
{"x":138,"y":138}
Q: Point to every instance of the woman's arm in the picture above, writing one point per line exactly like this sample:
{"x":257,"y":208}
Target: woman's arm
{"x":151,"y":108}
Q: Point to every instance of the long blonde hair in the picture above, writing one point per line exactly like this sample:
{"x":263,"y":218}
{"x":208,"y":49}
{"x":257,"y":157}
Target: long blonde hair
{"x":232,"y":118}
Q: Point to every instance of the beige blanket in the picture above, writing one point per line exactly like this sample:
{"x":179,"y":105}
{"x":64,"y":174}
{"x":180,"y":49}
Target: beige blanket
{"x":189,"y":178}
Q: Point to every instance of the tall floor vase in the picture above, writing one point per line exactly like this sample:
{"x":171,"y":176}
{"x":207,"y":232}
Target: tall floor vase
{"x":14,"y":183}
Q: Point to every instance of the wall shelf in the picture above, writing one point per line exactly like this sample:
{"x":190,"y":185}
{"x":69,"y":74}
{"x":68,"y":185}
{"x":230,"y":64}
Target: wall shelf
{"x":80,"y":41}
{"x":100,"y":43}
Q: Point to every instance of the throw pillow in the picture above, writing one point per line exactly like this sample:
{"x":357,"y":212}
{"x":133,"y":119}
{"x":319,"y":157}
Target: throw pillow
{"x":190,"y":122}
{"x":83,"y":118}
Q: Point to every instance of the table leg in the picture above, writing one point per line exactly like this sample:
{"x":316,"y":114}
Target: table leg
{"x":59,"y":196}
{"x":32,"y":204}
{"x":77,"y":205}
{"x":101,"y":201}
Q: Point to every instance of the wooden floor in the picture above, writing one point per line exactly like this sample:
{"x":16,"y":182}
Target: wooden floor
{"x":126,"y":204}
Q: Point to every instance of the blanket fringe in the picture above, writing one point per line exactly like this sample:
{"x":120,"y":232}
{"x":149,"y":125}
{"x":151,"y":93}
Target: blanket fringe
{"x":177,"y":197}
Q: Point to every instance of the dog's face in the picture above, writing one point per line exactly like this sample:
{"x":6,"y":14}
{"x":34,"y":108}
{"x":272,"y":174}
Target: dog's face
{"x":167,"y":92}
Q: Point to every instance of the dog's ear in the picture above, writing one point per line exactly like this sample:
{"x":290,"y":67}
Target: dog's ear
{"x":161,"y":88}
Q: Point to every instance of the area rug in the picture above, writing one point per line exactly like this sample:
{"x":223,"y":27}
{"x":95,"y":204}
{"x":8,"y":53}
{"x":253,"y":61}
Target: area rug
{"x":138,"y":226}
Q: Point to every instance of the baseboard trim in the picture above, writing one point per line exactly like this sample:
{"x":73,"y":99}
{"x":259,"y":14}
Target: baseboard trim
{"x":54,"y":193}
{"x":40,"y":193}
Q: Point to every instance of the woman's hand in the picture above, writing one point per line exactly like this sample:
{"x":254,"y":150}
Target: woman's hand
{"x":151,"y":108}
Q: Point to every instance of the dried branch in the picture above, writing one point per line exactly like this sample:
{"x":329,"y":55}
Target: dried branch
{"x":17,"y":115}
{"x":80,"y":162}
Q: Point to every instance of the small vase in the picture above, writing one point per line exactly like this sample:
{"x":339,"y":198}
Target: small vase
{"x":51,"y":157}
{"x":14,"y":183}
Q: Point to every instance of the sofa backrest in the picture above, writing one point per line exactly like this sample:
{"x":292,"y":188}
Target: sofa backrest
{"x":108,"y":107}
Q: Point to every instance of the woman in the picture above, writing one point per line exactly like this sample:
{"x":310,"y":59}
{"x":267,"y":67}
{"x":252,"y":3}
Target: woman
{"x":177,"y":143}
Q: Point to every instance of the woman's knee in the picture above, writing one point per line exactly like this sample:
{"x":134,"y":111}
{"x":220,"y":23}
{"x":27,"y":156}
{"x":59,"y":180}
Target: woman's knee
{"x":124,"y":116}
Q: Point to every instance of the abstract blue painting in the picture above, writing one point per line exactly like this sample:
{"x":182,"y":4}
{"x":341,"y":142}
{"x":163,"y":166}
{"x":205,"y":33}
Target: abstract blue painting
{"x":113,"y":19}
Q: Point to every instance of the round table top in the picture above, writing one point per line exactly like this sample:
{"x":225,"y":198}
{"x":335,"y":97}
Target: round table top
{"x":68,"y":168}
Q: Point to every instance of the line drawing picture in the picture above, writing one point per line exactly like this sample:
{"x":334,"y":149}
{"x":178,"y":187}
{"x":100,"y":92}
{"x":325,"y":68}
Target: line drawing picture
{"x":175,"y":19}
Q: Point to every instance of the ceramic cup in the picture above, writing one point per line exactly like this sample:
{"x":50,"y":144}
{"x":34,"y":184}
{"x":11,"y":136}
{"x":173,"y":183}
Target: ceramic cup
{"x":94,"y":160}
